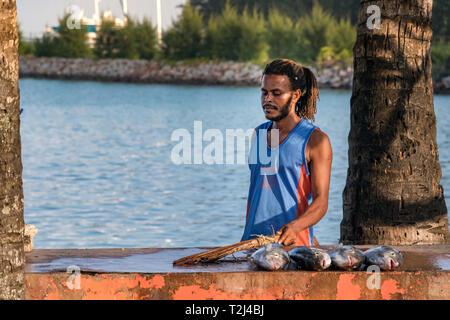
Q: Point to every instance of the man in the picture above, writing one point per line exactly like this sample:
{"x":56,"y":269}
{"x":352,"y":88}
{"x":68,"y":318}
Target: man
{"x":292,"y":196}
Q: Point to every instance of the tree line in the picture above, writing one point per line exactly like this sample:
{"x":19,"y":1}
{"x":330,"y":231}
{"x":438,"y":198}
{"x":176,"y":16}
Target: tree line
{"x":339,"y":9}
{"x":229,"y":35}
{"x":226,"y":30}
{"x":136,"y":40}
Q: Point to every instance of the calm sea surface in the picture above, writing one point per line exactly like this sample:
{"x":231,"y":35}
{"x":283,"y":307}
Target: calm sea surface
{"x":97,"y":168}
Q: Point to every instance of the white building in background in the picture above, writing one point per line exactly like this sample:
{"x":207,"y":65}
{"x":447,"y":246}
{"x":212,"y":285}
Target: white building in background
{"x":93,"y":24}
{"x":35,"y":17}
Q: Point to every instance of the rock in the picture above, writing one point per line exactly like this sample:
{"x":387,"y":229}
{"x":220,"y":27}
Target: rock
{"x":331,"y":75}
{"x":446,"y":82}
{"x":442,"y":86}
{"x":30,"y":232}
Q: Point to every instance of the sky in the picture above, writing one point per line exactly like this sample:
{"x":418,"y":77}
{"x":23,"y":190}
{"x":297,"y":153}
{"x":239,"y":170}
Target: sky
{"x":34,"y":15}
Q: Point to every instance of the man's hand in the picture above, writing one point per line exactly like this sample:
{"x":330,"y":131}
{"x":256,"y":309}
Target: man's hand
{"x":288,"y":233}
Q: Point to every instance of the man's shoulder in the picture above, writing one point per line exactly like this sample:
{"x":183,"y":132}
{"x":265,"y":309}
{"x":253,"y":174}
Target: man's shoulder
{"x":319,"y":140}
{"x":318,"y":137}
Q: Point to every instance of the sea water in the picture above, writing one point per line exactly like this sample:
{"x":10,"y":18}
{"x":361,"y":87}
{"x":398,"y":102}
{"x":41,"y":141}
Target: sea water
{"x":98,"y":170}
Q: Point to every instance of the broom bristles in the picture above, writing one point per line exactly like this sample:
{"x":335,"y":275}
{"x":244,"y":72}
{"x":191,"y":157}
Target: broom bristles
{"x":217,"y":253}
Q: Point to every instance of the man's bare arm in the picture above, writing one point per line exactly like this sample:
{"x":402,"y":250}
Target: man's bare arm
{"x":320,"y":157}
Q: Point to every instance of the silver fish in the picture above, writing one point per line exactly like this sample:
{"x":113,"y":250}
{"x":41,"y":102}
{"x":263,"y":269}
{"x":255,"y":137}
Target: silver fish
{"x":270,"y":257}
{"x":387,"y":258}
{"x":346,"y":257}
{"x":310,"y":258}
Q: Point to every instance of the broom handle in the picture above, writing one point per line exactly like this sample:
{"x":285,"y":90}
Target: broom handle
{"x":221,"y":252}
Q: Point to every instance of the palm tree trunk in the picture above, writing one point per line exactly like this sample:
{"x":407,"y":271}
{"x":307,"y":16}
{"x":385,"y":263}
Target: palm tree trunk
{"x":393,"y":193}
{"x":12,"y":281}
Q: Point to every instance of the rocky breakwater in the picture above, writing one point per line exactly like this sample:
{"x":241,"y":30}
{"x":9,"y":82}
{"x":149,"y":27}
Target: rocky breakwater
{"x":442,"y":85}
{"x":334,"y":76}
{"x":141,"y":71}
{"x":144,"y":71}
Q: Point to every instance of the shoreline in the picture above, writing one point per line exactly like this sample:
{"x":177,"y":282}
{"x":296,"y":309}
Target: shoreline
{"x":145,"y":71}
{"x":329,"y":76}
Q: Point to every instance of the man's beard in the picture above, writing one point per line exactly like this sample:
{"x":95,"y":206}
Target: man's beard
{"x":284,"y":111}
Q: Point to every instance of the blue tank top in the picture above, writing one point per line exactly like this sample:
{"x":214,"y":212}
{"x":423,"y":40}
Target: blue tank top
{"x":280,"y":183}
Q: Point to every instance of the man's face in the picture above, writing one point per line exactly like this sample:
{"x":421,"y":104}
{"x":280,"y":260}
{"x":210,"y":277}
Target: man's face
{"x":276,"y":96}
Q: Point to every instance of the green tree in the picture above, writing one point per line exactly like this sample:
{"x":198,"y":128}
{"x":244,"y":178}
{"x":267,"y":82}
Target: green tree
{"x":338,"y":9}
{"x":341,"y":41}
{"x":441,"y":20}
{"x":280,"y":35}
{"x":71,"y":42}
{"x":235,"y":37}
{"x":185,"y":39}
{"x":253,"y":45}
{"x":313,"y":33}
{"x":224,"y":34}
{"x":440,"y":55}
{"x":127,"y":47}
{"x":343,"y":37}
{"x":345,"y":9}
{"x":116,"y":42}
{"x":67,"y":42}
{"x":209,"y":48}
{"x":208,"y":9}
{"x":291,"y":8}
{"x":46,"y":46}
{"x":146,"y":42}
{"x":107,"y":37}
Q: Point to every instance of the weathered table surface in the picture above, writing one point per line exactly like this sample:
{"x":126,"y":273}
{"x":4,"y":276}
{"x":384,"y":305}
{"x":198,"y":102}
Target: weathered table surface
{"x":149,"y":274}
{"x":159,"y":260}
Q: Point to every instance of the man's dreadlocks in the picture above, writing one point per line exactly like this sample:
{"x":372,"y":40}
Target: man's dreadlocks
{"x":301,"y":78}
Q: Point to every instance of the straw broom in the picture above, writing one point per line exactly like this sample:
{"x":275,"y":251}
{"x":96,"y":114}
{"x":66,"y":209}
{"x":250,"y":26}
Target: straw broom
{"x":215,"y":254}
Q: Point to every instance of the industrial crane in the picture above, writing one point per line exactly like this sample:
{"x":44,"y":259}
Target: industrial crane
{"x":124,"y":4}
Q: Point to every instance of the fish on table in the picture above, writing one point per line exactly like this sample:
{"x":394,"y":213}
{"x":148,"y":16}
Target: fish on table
{"x":385,"y":257}
{"x":270,"y":257}
{"x":346,"y":258}
{"x":310,"y":258}
{"x":275,"y":257}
